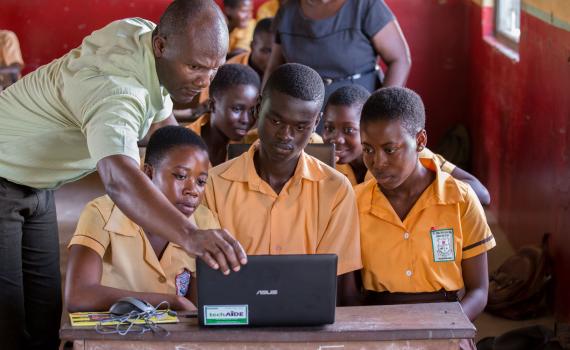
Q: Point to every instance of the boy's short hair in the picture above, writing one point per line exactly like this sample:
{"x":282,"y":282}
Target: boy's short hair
{"x":230,"y":75}
{"x":263,"y":26}
{"x":168,"y":137}
{"x":349,"y":96}
{"x":298,"y":81}
{"x":233,"y":3}
{"x":395,"y":103}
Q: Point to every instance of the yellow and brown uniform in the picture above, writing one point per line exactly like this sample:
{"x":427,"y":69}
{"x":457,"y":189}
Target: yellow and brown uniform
{"x":129,"y":261}
{"x":267,"y":9}
{"x":315,"y":212}
{"x":422,"y":253}
{"x":240,"y":38}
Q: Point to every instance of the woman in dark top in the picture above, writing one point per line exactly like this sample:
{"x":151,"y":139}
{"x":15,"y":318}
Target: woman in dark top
{"x":341,"y":40}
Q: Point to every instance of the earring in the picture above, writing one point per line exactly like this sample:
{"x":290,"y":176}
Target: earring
{"x":420,"y":148}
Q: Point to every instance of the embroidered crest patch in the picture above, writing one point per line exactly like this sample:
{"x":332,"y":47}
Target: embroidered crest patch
{"x":443,"y":246}
{"x":182,"y":282}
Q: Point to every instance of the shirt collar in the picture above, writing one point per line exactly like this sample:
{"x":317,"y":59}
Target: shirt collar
{"x":346,"y":170}
{"x":203,"y":120}
{"x":121,"y":224}
{"x":242,"y":169}
{"x":442,"y":191}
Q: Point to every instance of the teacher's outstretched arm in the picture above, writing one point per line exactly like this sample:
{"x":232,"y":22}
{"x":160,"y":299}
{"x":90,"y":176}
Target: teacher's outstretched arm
{"x":142,"y":202}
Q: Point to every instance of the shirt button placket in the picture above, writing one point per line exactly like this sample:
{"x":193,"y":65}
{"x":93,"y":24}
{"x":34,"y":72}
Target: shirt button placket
{"x":406,"y":237}
{"x":273,"y":247}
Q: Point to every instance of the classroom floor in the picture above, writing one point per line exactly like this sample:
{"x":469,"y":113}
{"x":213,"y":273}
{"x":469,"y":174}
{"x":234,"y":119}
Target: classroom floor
{"x":71,"y":198}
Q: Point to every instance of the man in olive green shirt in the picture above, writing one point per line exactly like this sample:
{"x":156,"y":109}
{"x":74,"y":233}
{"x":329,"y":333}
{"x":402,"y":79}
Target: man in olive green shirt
{"x":83,"y":112}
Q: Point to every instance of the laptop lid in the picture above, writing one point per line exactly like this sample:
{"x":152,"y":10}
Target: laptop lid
{"x":271,"y":290}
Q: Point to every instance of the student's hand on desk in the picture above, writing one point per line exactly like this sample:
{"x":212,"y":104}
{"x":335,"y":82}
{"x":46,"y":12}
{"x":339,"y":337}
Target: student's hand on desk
{"x":218,"y":249}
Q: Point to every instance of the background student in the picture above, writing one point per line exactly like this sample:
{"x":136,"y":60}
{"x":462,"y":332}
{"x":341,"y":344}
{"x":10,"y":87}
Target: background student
{"x":239,"y":15}
{"x":260,"y":46}
{"x":233,"y":95}
{"x":268,"y":9}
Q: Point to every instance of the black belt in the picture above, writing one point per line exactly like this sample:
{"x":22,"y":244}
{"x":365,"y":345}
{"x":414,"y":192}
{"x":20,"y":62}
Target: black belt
{"x":387,"y":298}
{"x":329,"y":81}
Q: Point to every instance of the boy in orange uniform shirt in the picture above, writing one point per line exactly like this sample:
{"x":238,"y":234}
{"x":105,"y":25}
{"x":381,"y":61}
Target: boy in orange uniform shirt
{"x":275,"y":198}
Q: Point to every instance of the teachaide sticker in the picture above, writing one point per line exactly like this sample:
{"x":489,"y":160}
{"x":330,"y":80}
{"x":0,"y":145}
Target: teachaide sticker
{"x":225,"y":315}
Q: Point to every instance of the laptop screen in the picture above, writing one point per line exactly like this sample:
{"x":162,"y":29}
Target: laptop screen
{"x":271,"y":290}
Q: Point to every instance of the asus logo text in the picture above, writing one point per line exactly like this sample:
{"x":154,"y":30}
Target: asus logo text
{"x":267,"y":292}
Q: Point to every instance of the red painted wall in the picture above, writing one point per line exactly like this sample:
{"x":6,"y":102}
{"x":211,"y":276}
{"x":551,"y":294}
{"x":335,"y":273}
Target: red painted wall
{"x":437,"y":34}
{"x":49,"y":29}
{"x":520,"y":115}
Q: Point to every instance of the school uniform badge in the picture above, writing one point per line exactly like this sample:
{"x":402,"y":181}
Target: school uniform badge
{"x":182,"y":282}
{"x":443,"y":246}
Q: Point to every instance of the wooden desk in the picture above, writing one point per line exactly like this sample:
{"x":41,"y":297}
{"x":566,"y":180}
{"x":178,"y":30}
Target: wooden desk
{"x":421,"y":326}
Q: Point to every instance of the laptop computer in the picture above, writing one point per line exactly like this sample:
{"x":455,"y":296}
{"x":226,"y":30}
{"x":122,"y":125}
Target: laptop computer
{"x":271,"y":290}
